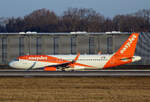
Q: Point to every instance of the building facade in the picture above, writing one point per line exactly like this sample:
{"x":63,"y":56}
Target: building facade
{"x":13,"y":45}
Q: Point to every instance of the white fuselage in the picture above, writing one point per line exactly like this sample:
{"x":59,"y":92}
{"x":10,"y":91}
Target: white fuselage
{"x":83,"y":62}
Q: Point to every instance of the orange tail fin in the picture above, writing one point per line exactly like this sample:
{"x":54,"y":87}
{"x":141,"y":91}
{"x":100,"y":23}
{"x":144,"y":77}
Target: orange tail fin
{"x":128,"y":48}
{"x":125,"y":53}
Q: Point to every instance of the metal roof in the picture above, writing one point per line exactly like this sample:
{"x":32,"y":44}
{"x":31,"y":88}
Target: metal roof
{"x":95,"y":33}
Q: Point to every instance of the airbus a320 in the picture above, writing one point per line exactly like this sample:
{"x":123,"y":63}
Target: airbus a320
{"x":79,"y":62}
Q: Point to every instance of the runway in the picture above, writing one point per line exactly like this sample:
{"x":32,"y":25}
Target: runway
{"x":40,"y":73}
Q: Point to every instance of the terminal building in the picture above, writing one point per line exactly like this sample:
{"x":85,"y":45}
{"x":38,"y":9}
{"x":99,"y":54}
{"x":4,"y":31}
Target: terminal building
{"x":13,"y":45}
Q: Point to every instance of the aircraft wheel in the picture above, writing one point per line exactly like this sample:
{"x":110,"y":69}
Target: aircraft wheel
{"x":63,"y":69}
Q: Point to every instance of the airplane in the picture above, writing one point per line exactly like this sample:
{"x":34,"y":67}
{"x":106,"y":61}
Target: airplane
{"x":78,"y":62}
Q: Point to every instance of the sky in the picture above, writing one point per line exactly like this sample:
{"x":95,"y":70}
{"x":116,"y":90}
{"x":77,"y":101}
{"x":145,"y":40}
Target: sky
{"x":108,"y":8}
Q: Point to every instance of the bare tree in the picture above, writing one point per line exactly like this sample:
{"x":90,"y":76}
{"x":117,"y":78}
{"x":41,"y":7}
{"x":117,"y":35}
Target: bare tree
{"x":82,"y":19}
{"x":41,"y":20}
{"x":129,"y":23}
{"x":75,"y":19}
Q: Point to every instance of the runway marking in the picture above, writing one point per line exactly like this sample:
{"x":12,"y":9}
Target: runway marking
{"x":22,"y":73}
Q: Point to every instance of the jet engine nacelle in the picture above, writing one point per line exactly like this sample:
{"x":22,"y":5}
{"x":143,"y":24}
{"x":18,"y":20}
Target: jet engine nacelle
{"x":50,"y":69}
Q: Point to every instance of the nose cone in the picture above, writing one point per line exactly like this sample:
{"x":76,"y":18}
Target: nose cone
{"x":12,"y":64}
{"x":136,"y":58}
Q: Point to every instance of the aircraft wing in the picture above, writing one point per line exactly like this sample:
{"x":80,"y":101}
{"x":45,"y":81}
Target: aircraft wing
{"x":65,"y":65}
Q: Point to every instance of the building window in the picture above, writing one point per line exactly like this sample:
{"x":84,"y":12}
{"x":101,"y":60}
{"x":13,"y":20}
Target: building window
{"x":21,"y":46}
{"x":73,"y":45}
{"x":4,"y":50}
{"x":109,"y":45}
{"x":91,"y":45}
{"x":38,"y":46}
{"x":56,"y":45}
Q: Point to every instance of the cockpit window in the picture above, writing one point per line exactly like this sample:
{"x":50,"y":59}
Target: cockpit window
{"x":16,"y":59}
